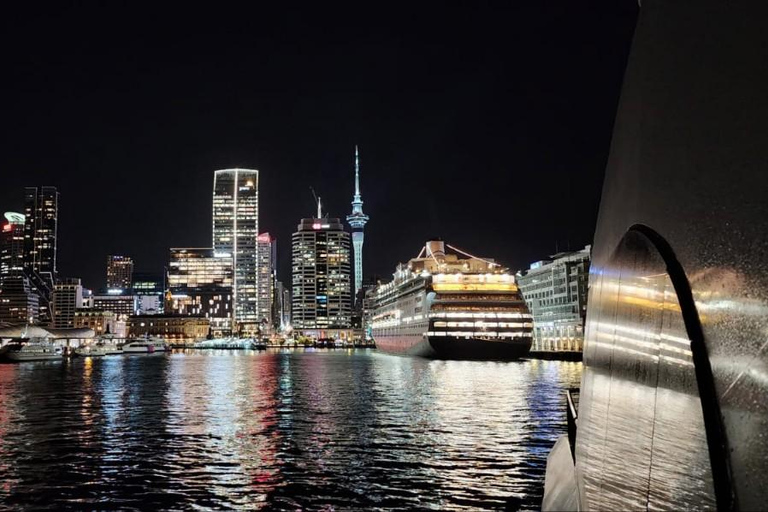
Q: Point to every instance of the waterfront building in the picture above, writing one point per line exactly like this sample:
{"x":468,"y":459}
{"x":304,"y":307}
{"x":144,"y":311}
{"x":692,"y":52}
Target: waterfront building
{"x":12,"y":245}
{"x":121,"y":304}
{"x":41,"y":211}
{"x":19,"y":301}
{"x":169,"y":327}
{"x":321,"y":291}
{"x":119,"y":272}
{"x":556,"y":293}
{"x":102,"y":322}
{"x":357,"y":221}
{"x":235,"y":233}
{"x":149,"y":290}
{"x":267,"y":260}
{"x":67,"y":297}
{"x":200,"y":283}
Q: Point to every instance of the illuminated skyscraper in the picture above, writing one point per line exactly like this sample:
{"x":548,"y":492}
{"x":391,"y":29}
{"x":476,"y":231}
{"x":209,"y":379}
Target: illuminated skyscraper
{"x":119,"y":272}
{"x":266,"y":275}
{"x":12,"y":246}
{"x":357,"y":220}
{"x":41,"y":209}
{"x":321,"y":295}
{"x":235,"y":232}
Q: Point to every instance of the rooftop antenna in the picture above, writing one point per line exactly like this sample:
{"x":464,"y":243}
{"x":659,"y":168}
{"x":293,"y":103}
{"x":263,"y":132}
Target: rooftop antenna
{"x":319,"y":205}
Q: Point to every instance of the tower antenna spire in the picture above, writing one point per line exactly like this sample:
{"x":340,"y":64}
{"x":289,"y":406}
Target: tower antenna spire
{"x":357,"y":174}
{"x":357,"y":220}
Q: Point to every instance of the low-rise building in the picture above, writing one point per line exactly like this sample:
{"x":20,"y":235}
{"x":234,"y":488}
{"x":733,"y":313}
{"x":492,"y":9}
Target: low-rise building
{"x":556,"y":293}
{"x":169,"y":327}
{"x":102,"y":322}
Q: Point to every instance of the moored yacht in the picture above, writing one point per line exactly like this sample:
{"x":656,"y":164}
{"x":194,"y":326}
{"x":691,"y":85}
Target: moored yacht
{"x":145,"y":346}
{"x":34,"y":349}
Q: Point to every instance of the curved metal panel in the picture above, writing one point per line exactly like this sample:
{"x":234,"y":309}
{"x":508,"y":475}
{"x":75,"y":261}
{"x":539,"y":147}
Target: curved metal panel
{"x":688,"y":159}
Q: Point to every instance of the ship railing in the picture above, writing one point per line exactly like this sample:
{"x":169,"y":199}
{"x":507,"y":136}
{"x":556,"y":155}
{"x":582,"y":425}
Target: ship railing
{"x":572,"y":407}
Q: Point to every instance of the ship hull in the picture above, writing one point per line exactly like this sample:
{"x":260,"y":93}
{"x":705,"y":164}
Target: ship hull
{"x":449,"y":347}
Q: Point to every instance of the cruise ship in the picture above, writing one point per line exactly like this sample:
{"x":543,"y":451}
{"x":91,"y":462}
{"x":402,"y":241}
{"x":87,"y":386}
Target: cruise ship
{"x":450,"y":305}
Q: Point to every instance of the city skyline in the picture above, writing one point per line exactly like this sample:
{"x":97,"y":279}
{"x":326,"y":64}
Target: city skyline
{"x":133,"y":164}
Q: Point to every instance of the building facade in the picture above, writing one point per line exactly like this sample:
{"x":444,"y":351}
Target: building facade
{"x":12,"y":246}
{"x":321,"y":288}
{"x":357,"y":221}
{"x":119,"y":272}
{"x":19,"y":301}
{"x":41,"y":211}
{"x":267,"y":260}
{"x":170,"y":327}
{"x":235,"y":233}
{"x":200,"y":283}
{"x":556,"y":293}
{"x":122,"y":305}
{"x":102,"y":322}
{"x":149,"y":290}
{"x":67,"y":298}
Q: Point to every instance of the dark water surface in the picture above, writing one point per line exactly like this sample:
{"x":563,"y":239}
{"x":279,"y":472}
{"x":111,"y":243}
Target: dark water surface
{"x":294,"y":430}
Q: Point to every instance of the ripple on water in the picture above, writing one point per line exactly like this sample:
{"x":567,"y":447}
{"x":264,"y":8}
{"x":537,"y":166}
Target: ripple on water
{"x":346,"y":429}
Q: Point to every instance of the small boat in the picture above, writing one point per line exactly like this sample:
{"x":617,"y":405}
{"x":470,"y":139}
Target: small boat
{"x":338,"y":343}
{"x":145,"y":346}
{"x":100,"y":348}
{"x":33,"y":349}
{"x":259,"y":344}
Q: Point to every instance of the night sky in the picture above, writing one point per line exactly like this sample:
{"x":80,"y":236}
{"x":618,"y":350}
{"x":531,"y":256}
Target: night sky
{"x":488,"y":126}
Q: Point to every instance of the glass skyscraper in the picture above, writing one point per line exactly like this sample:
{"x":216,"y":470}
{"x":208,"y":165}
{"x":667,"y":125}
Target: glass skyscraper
{"x":41,"y":209}
{"x":235,"y":232}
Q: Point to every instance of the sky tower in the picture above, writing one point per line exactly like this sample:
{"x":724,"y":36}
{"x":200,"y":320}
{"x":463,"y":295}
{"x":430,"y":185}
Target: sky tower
{"x":357,"y":220}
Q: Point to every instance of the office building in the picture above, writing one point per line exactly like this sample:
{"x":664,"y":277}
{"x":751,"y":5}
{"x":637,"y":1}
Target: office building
{"x":119,"y":273}
{"x":67,"y":297}
{"x":267,"y":257}
{"x":41,"y":211}
{"x":357,"y":221}
{"x":149,"y":290}
{"x":200,"y":284}
{"x":19,"y":301}
{"x":122,"y":305}
{"x":235,"y":233}
{"x":12,"y":246}
{"x":321,"y":289}
{"x":556,"y":293}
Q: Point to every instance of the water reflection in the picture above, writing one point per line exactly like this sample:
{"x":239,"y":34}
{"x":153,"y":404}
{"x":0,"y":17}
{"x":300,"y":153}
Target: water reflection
{"x":346,"y":429}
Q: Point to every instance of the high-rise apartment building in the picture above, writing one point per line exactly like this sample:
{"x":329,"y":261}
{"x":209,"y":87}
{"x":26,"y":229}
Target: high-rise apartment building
{"x":41,"y":209}
{"x":357,"y":221}
{"x":67,"y":298}
{"x":200,"y":284}
{"x":321,"y":291}
{"x":235,"y":233}
{"x":556,"y":293}
{"x":267,"y":257}
{"x":12,"y":246}
{"x":119,"y":272}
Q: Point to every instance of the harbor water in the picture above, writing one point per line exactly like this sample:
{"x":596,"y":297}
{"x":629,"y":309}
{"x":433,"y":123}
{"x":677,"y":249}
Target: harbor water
{"x":311,"y":430}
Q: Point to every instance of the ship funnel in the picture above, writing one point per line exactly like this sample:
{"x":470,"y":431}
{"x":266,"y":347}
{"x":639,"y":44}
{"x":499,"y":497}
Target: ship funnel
{"x":436,"y":249}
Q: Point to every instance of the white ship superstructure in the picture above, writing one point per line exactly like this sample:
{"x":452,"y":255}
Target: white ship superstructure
{"x":451,"y":305}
